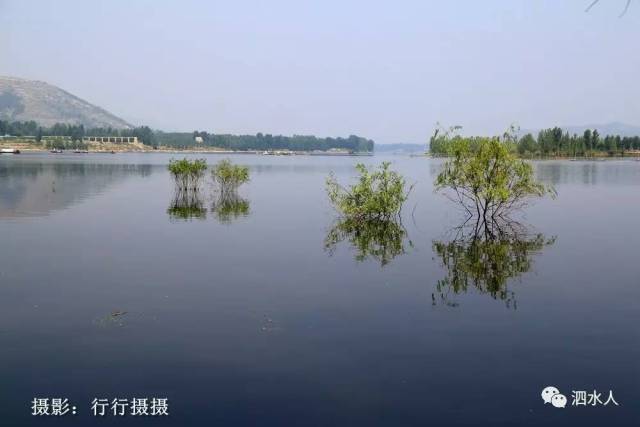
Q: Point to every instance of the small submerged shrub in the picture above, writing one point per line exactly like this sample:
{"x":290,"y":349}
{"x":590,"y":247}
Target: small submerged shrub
{"x":187,"y":174}
{"x":229,"y":177}
{"x":227,"y":204}
{"x":187,"y":199}
{"x":370,"y":214}
{"x":378,"y":194}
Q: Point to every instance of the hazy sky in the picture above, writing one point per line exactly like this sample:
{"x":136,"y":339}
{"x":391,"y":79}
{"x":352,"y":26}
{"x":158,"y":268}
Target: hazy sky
{"x":386,"y":70}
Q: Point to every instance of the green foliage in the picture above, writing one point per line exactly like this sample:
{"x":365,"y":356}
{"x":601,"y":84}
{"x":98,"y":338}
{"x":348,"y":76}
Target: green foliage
{"x":228,"y":176}
{"x":187,"y":174}
{"x":442,"y":139}
{"x":144,"y":133}
{"x":187,"y":201}
{"x":379,"y":239}
{"x":549,"y":142}
{"x":487,"y":179}
{"x":370,"y":211}
{"x":378,"y":194}
{"x":486,"y":260}
{"x":74,"y":132}
{"x":263,"y":142}
{"x":64,"y":143}
{"x":555,"y":142}
{"x":527,"y":145}
{"x":445,"y":141}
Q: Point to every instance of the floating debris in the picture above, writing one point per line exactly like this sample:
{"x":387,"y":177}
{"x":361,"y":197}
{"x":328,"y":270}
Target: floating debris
{"x":114,"y":319}
{"x":269,"y":325}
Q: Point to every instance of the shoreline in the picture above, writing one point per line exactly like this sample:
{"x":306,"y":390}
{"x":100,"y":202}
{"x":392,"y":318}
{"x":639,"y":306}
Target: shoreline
{"x":28,"y":147}
{"x":630,"y":157}
{"x":23,"y":150}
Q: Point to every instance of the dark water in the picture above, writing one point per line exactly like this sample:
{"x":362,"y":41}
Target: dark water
{"x":259,"y":317}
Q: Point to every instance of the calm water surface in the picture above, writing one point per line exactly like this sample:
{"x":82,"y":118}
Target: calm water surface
{"x":260,"y":318}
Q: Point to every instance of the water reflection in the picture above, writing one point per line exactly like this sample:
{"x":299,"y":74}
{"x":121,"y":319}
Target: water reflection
{"x":580,"y":172}
{"x":187,"y":205}
{"x":382,"y":240}
{"x":230,"y":206}
{"x":298,"y":168}
{"x":484,"y":256}
{"x":37,"y":189}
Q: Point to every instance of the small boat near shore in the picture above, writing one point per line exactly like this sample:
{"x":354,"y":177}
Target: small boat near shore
{"x":9,"y":151}
{"x":56,"y":151}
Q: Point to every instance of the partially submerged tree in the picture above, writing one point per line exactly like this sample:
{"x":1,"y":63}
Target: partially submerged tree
{"x":187,"y":174}
{"x":441,"y":139}
{"x":187,"y":200}
{"x":229,"y":177}
{"x":378,"y":194}
{"x":487,"y":179}
{"x":227,"y":204}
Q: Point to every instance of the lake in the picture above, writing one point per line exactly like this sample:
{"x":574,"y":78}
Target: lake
{"x":266,"y":316}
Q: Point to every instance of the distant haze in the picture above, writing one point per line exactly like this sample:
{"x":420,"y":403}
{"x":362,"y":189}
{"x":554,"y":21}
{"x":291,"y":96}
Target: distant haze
{"x":383,"y":70}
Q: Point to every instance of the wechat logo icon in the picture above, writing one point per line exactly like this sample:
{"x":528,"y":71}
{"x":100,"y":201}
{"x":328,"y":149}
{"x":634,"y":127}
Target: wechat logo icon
{"x":552,"y":395}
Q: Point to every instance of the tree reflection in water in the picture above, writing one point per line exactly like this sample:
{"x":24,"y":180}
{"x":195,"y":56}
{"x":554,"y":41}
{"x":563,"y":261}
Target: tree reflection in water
{"x":484,"y":256}
{"x":186,"y":205}
{"x":189,"y":204}
{"x":229,"y":206}
{"x":379,"y":239}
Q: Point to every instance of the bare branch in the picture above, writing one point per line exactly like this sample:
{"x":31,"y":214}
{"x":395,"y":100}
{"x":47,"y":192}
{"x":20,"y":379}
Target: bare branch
{"x":591,"y":5}
{"x":626,"y":7}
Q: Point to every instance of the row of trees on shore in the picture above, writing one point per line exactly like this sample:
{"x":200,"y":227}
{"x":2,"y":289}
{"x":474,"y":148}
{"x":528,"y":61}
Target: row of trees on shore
{"x":552,"y":142}
{"x":72,"y":132}
{"x":187,"y":140}
{"x":265,"y":142}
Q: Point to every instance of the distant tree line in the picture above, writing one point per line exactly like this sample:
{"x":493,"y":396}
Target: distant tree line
{"x":73,"y":132}
{"x":261,"y":142}
{"x":264,"y":142}
{"x":65,"y":143}
{"x":555,"y":142}
{"x":552,"y":142}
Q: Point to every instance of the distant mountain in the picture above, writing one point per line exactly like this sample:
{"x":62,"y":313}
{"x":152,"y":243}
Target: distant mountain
{"x":400,"y":148}
{"x":613,"y":128}
{"x":23,"y":100}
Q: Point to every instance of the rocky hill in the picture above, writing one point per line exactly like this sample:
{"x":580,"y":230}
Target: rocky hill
{"x":23,"y":100}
